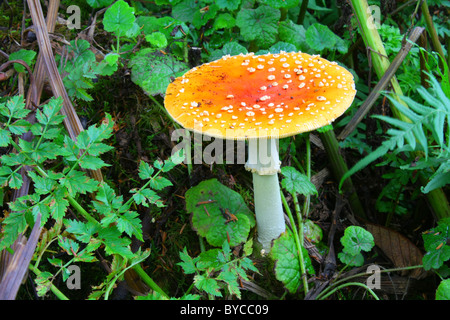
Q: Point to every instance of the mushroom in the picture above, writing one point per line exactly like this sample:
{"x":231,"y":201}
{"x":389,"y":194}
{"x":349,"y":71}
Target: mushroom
{"x":261,"y":98}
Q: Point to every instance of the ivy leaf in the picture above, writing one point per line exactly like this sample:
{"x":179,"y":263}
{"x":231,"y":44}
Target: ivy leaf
{"x":119,"y":18}
{"x":296,"y":182}
{"x":219,"y":213}
{"x":259,"y":25}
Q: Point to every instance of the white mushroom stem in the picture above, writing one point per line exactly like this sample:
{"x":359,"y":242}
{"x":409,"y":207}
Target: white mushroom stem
{"x":264,"y":162}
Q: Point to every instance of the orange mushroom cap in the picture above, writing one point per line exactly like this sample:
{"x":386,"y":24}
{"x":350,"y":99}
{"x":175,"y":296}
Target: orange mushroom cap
{"x":266,"y":96}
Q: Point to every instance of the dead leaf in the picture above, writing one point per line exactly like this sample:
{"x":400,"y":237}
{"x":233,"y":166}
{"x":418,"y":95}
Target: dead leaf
{"x":398,"y":248}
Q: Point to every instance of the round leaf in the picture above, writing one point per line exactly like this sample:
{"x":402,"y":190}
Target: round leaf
{"x":219,"y":213}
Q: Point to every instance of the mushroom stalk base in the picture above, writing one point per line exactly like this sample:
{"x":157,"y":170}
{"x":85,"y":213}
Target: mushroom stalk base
{"x":268,"y":209}
{"x":264,"y":163}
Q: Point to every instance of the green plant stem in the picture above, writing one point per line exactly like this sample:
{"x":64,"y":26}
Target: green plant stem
{"x":362,"y":274}
{"x":437,"y":198}
{"x":432,"y":31}
{"x":351,"y":284}
{"x":302,"y":13}
{"x":339,"y":168}
{"x":148,"y":280}
{"x":298,"y":243}
{"x":54,"y":289}
{"x":307,"y":202}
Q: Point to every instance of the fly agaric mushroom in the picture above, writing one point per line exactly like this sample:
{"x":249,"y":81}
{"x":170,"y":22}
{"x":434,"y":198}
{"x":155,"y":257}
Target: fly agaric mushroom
{"x":261,"y":99}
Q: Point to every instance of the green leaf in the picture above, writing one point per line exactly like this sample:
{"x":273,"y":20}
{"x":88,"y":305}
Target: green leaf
{"x":78,"y":182}
{"x":174,"y":160}
{"x":443,"y":290}
{"x":12,"y":226}
{"x":115,"y":243}
{"x":159,"y":183}
{"x":130,"y":223}
{"x":153,"y":71}
{"x":119,"y":18}
{"x":201,"y":17}
{"x":294,"y":34}
{"x":259,"y":25}
{"x":320,"y":37}
{"x":277,"y":4}
{"x":435,"y":243}
{"x":5,"y":138}
{"x":287,"y":266}
{"x":145,"y":171}
{"x":296,"y":182}
{"x":188,"y":263}
{"x":357,"y":239}
{"x":208,"y":285}
{"x":83,"y":231}
{"x":99,"y":3}
{"x":230,"y":5}
{"x":219,"y":213}
{"x":26,"y":55}
{"x":224,"y":21}
{"x":14,"y":108}
{"x":157,"y":39}
{"x":230,"y":48}
{"x":351,"y":260}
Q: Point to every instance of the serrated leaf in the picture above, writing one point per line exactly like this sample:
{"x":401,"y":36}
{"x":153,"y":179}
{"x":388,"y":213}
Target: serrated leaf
{"x":115,"y":243}
{"x":319,"y":37}
{"x":153,"y":72}
{"x":296,"y":182}
{"x":187,"y":262}
{"x":83,"y":231}
{"x":145,"y":171}
{"x":78,"y":182}
{"x":443,"y":290}
{"x":277,"y":4}
{"x":159,"y":183}
{"x":219,"y":213}
{"x":287,"y":266}
{"x":357,"y":239}
{"x":208,"y":285}
{"x":259,"y":25}
{"x":26,"y":55}
{"x":130,"y":223}
{"x":119,"y":18}
{"x":294,"y":34}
